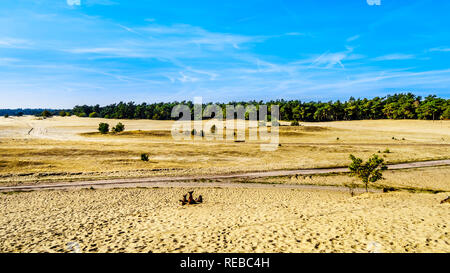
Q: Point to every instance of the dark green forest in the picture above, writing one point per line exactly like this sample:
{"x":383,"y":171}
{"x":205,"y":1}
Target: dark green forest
{"x":397,"y":106}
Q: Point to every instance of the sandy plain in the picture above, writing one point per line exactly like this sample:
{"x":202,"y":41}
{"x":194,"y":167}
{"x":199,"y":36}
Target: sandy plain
{"x":230,"y":220}
{"x":238,"y":218}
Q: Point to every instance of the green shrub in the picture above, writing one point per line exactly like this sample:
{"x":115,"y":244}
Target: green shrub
{"x":6,"y":116}
{"x":295,"y":123}
{"x":46,"y":114}
{"x":119,"y":128}
{"x":446,"y":114}
{"x":62,"y":113}
{"x":103,"y":128}
{"x":387,"y":151}
{"x":93,"y":115}
{"x":144,"y":157}
{"x":81,"y":115}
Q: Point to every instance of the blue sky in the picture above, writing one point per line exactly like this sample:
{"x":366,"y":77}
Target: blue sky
{"x":59,"y":53}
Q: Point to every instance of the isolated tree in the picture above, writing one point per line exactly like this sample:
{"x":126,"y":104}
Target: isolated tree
{"x":370,"y":171}
{"x":46,"y":113}
{"x":119,"y":128}
{"x":103,"y":127}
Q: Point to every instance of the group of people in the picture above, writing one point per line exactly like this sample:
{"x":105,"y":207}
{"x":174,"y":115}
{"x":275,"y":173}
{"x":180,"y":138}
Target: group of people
{"x":191,"y":200}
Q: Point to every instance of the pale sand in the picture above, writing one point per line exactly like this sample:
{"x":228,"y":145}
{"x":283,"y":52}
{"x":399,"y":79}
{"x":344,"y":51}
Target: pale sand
{"x":230,"y":220}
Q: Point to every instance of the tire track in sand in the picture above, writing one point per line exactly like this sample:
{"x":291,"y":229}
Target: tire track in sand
{"x":186,"y":181}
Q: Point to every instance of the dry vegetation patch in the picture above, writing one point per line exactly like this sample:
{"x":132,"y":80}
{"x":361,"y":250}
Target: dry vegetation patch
{"x":73,"y":145}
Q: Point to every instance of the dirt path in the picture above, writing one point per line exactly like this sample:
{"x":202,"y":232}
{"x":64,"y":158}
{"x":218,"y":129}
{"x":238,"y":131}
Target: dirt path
{"x":186,"y":181}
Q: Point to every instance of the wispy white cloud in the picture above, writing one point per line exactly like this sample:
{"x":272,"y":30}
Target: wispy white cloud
{"x":74,"y":2}
{"x":330,"y":59}
{"x":169,"y":43}
{"x":393,"y":57}
{"x":14,"y":43}
{"x":294,"y":34}
{"x":129,"y":29}
{"x":439,"y":49}
{"x":353,"y":38}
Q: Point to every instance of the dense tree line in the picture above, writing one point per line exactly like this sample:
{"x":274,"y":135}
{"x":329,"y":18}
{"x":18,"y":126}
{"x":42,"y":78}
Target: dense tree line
{"x":398,"y":106}
{"x":22,"y":112}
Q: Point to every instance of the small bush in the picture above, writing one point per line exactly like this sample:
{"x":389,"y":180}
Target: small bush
{"x":144,"y":157}
{"x":20,"y":114}
{"x":6,"y":116}
{"x":213,"y":129}
{"x":93,"y":115}
{"x":119,"y":128}
{"x":46,"y":114}
{"x":295,"y":123}
{"x":103,"y":128}
{"x":81,"y":115}
{"x":387,"y":151}
{"x":62,"y":113}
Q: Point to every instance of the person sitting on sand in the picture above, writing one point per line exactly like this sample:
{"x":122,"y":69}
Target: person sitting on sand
{"x":199,"y":199}
{"x":184,"y":201}
{"x":191,"y":199}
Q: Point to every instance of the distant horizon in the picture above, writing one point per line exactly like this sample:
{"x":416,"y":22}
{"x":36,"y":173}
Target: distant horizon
{"x":57,"y":54}
{"x":225,"y":102}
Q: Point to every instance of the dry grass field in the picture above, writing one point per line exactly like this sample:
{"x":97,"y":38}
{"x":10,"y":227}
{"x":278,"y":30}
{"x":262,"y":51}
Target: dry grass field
{"x":238,"y":218}
{"x":68,"y":148}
